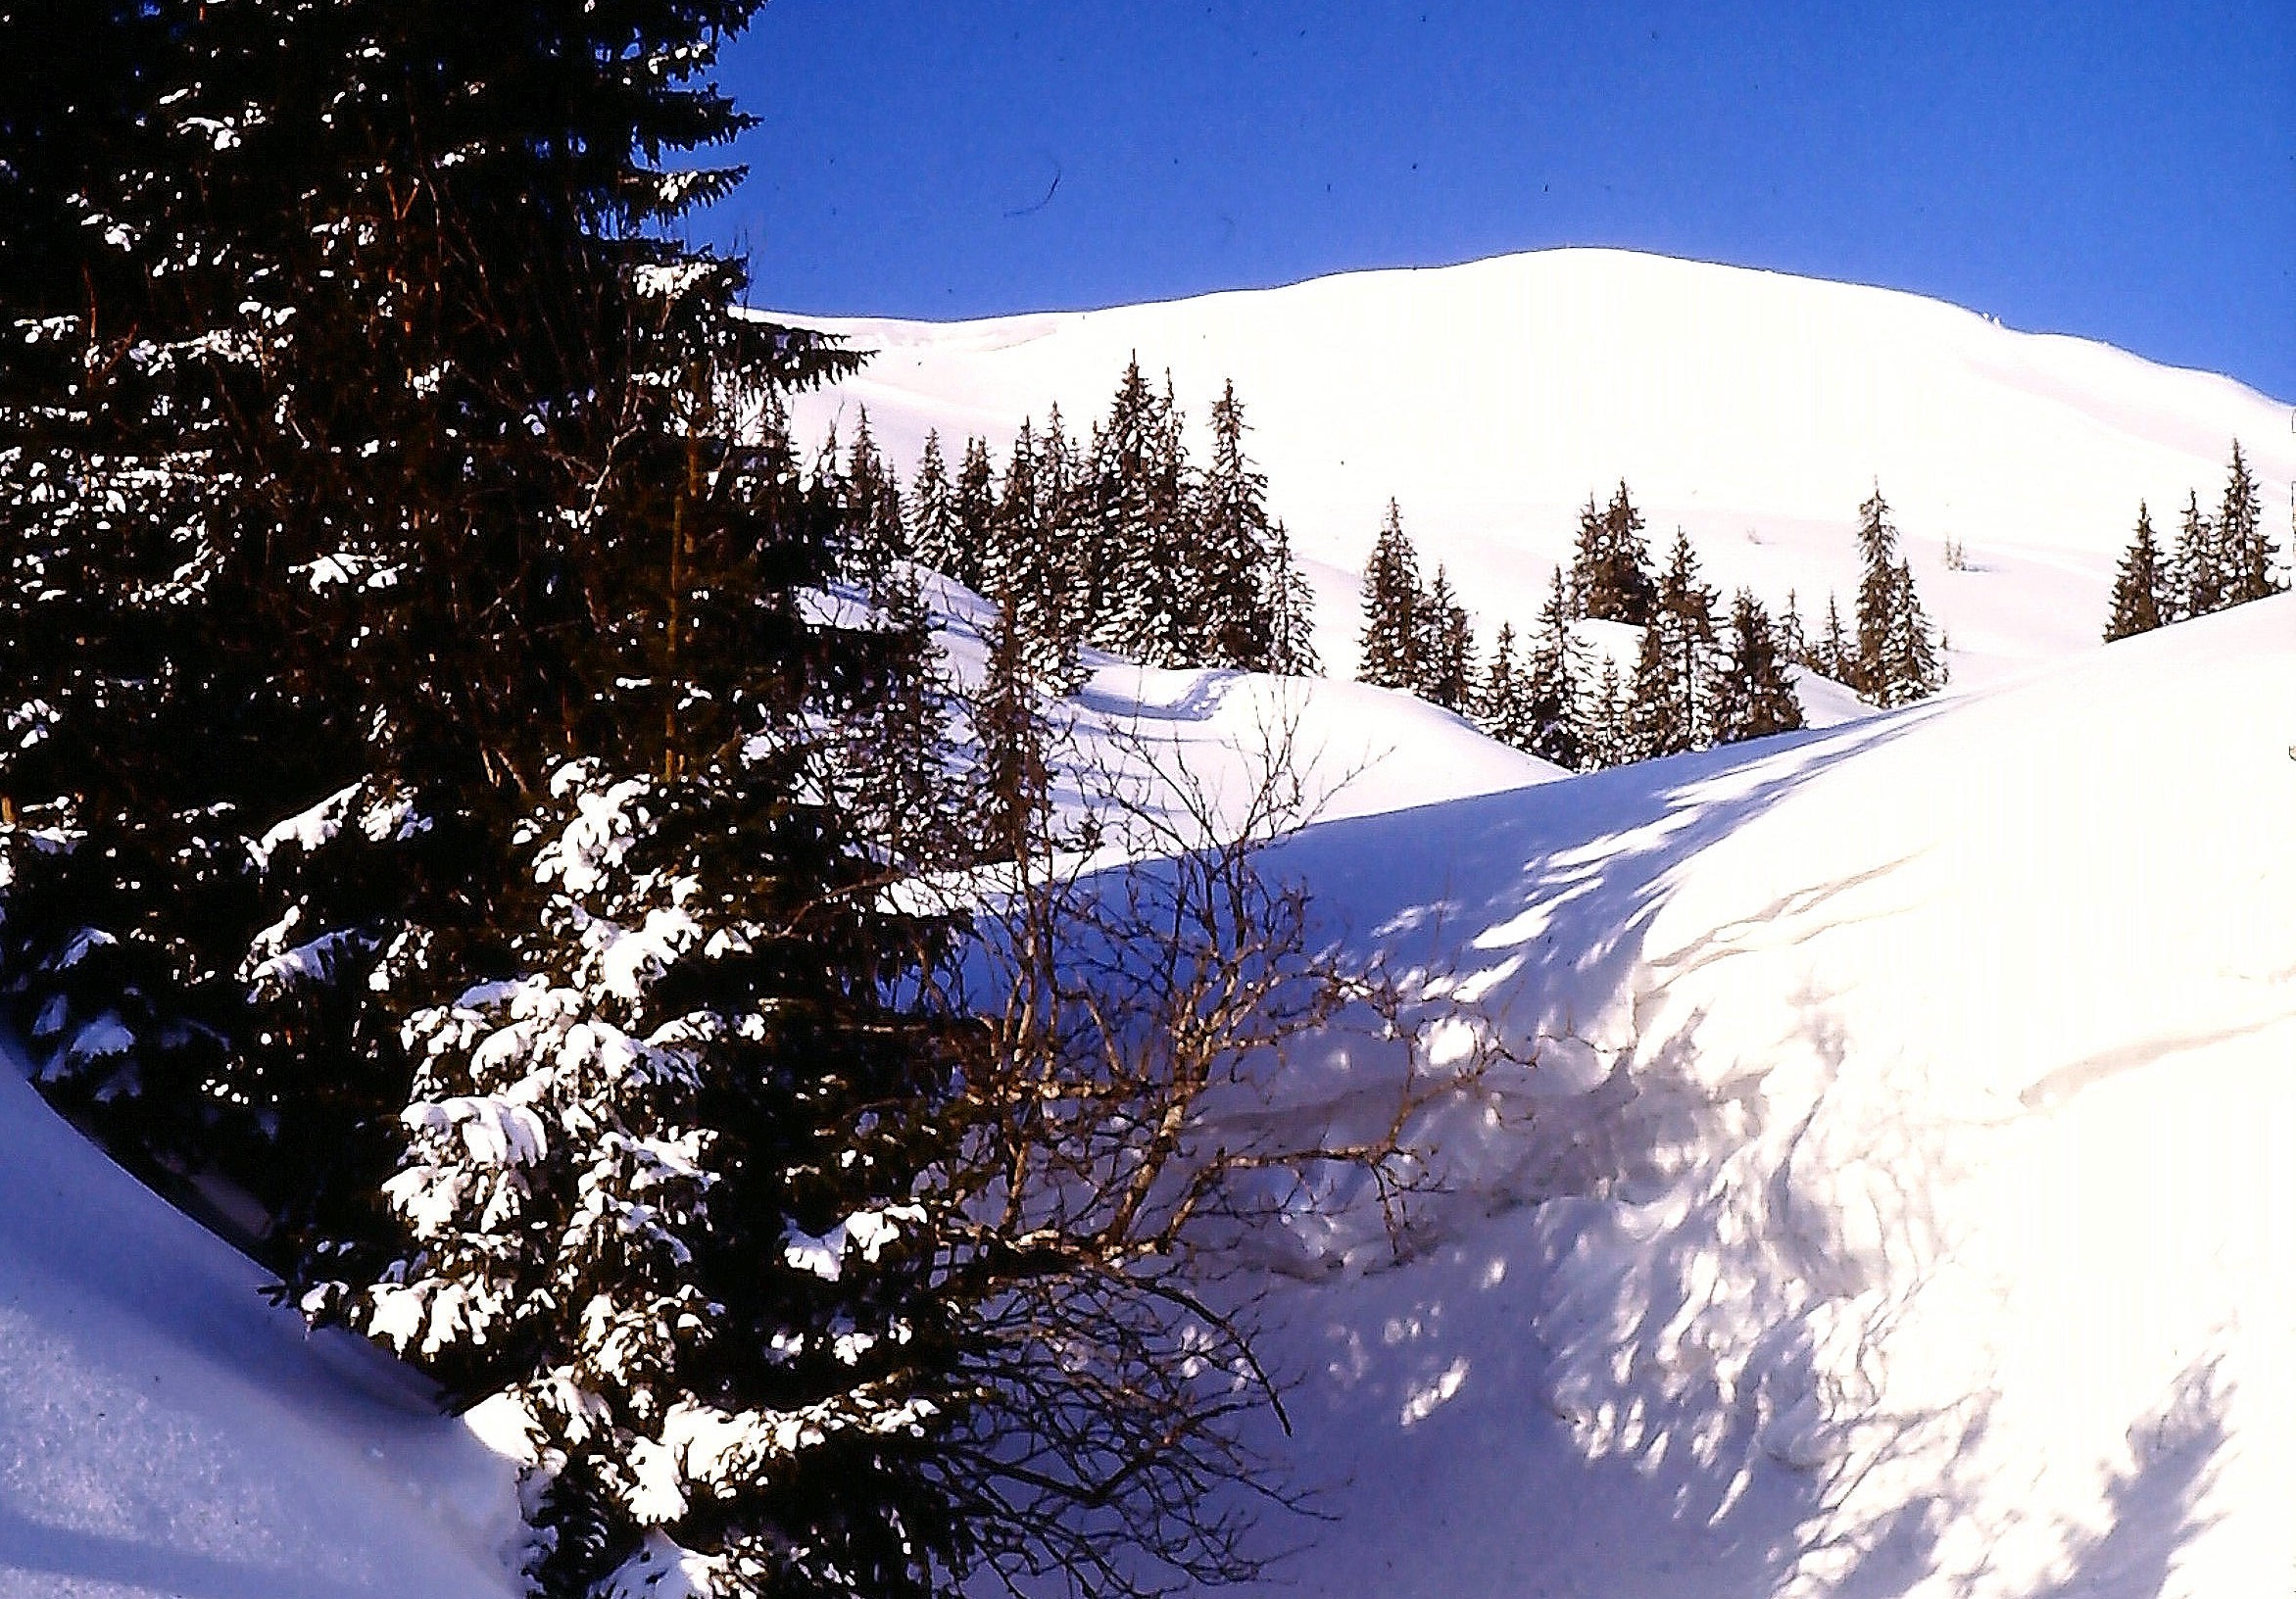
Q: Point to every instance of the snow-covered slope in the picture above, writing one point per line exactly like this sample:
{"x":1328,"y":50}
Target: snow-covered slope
{"x":162,"y":1431}
{"x":1753,"y":408}
{"x":1201,"y":741}
{"x":1915,"y":1117}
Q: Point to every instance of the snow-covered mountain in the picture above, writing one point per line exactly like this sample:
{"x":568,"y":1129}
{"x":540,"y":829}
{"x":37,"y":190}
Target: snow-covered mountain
{"x":1753,"y":408}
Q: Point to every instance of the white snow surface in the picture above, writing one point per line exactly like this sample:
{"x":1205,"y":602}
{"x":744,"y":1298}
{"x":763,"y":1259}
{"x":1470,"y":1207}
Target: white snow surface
{"x":164,"y":1432}
{"x":1753,"y":408}
{"x":1907,"y":1205}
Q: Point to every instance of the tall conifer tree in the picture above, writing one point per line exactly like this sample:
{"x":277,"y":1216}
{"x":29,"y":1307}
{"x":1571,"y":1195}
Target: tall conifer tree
{"x":973,"y":504}
{"x":2137,"y":598}
{"x":1392,"y":603}
{"x":2247,"y":551}
{"x":2196,"y":575}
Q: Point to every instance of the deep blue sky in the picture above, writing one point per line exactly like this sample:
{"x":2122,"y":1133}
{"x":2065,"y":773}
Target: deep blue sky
{"x":2119,"y":170}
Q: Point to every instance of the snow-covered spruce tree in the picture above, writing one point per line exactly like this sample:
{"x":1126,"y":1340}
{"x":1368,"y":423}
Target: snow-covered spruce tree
{"x":1896,"y":661}
{"x":931,"y":511}
{"x":1501,"y":704}
{"x":2137,"y":605}
{"x":1235,"y":551}
{"x":1041,"y":537}
{"x":1676,"y":671}
{"x":2196,"y":575}
{"x":1792,"y":635}
{"x":1290,"y":609}
{"x":2248,"y":553}
{"x":1553,"y":682}
{"x":1134,"y":561}
{"x":1446,"y":648}
{"x":1392,"y":603}
{"x":1610,"y":568}
{"x":1752,"y":695}
{"x":1914,"y":668}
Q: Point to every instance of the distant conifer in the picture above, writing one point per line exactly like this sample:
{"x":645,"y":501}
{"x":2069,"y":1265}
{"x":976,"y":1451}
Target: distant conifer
{"x":1446,"y":648}
{"x":2196,"y":575}
{"x":973,"y":505}
{"x":2247,"y":553}
{"x":1291,"y":609}
{"x":2138,"y":588}
{"x":1551,"y":688}
{"x":1753,"y":695}
{"x":1610,"y":570}
{"x":1391,"y":601}
{"x":932,"y":511}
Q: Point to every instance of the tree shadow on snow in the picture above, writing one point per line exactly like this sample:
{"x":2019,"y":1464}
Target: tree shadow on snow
{"x":1642,"y":1370}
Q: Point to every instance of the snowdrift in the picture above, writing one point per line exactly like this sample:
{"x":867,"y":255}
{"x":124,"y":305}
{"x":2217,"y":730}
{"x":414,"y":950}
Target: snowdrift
{"x":164,"y":1432}
{"x":1902,"y":1198}
{"x":1754,"y":409}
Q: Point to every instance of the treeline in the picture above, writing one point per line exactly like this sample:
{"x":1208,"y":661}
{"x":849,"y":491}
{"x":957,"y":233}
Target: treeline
{"x":1122,"y":543}
{"x":1699,"y":678}
{"x":2216,"y":561}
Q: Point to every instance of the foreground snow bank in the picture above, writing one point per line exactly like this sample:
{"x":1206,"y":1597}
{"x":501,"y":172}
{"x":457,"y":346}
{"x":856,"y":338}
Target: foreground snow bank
{"x":1915,"y":1124}
{"x":164,"y":1432}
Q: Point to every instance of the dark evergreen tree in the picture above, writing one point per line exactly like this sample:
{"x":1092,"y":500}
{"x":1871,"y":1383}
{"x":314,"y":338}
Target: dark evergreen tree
{"x":1830,"y":656}
{"x":1139,"y":568}
{"x":1029,"y":554}
{"x":1912,"y":667}
{"x":1673,"y":688}
{"x":493,"y":695}
{"x":1792,"y":636}
{"x":1753,"y":697}
{"x":1896,"y":661}
{"x":1047,"y":548}
{"x":1012,"y":777}
{"x":975,"y":518}
{"x":1552,"y":686}
{"x":872,"y":504}
{"x":132,"y":656}
{"x":2137,"y":597}
{"x":1503,"y":705}
{"x":1392,"y":600}
{"x":1610,"y":571}
{"x":2246,"y":551}
{"x":1606,"y":736}
{"x":1234,"y":550}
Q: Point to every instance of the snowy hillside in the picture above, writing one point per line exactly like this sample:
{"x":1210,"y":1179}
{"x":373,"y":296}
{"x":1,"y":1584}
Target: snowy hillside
{"x":1149,"y":731}
{"x":162,"y":1431}
{"x":1898,"y":1202}
{"x":1914,"y":1119}
{"x":1754,"y":409}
